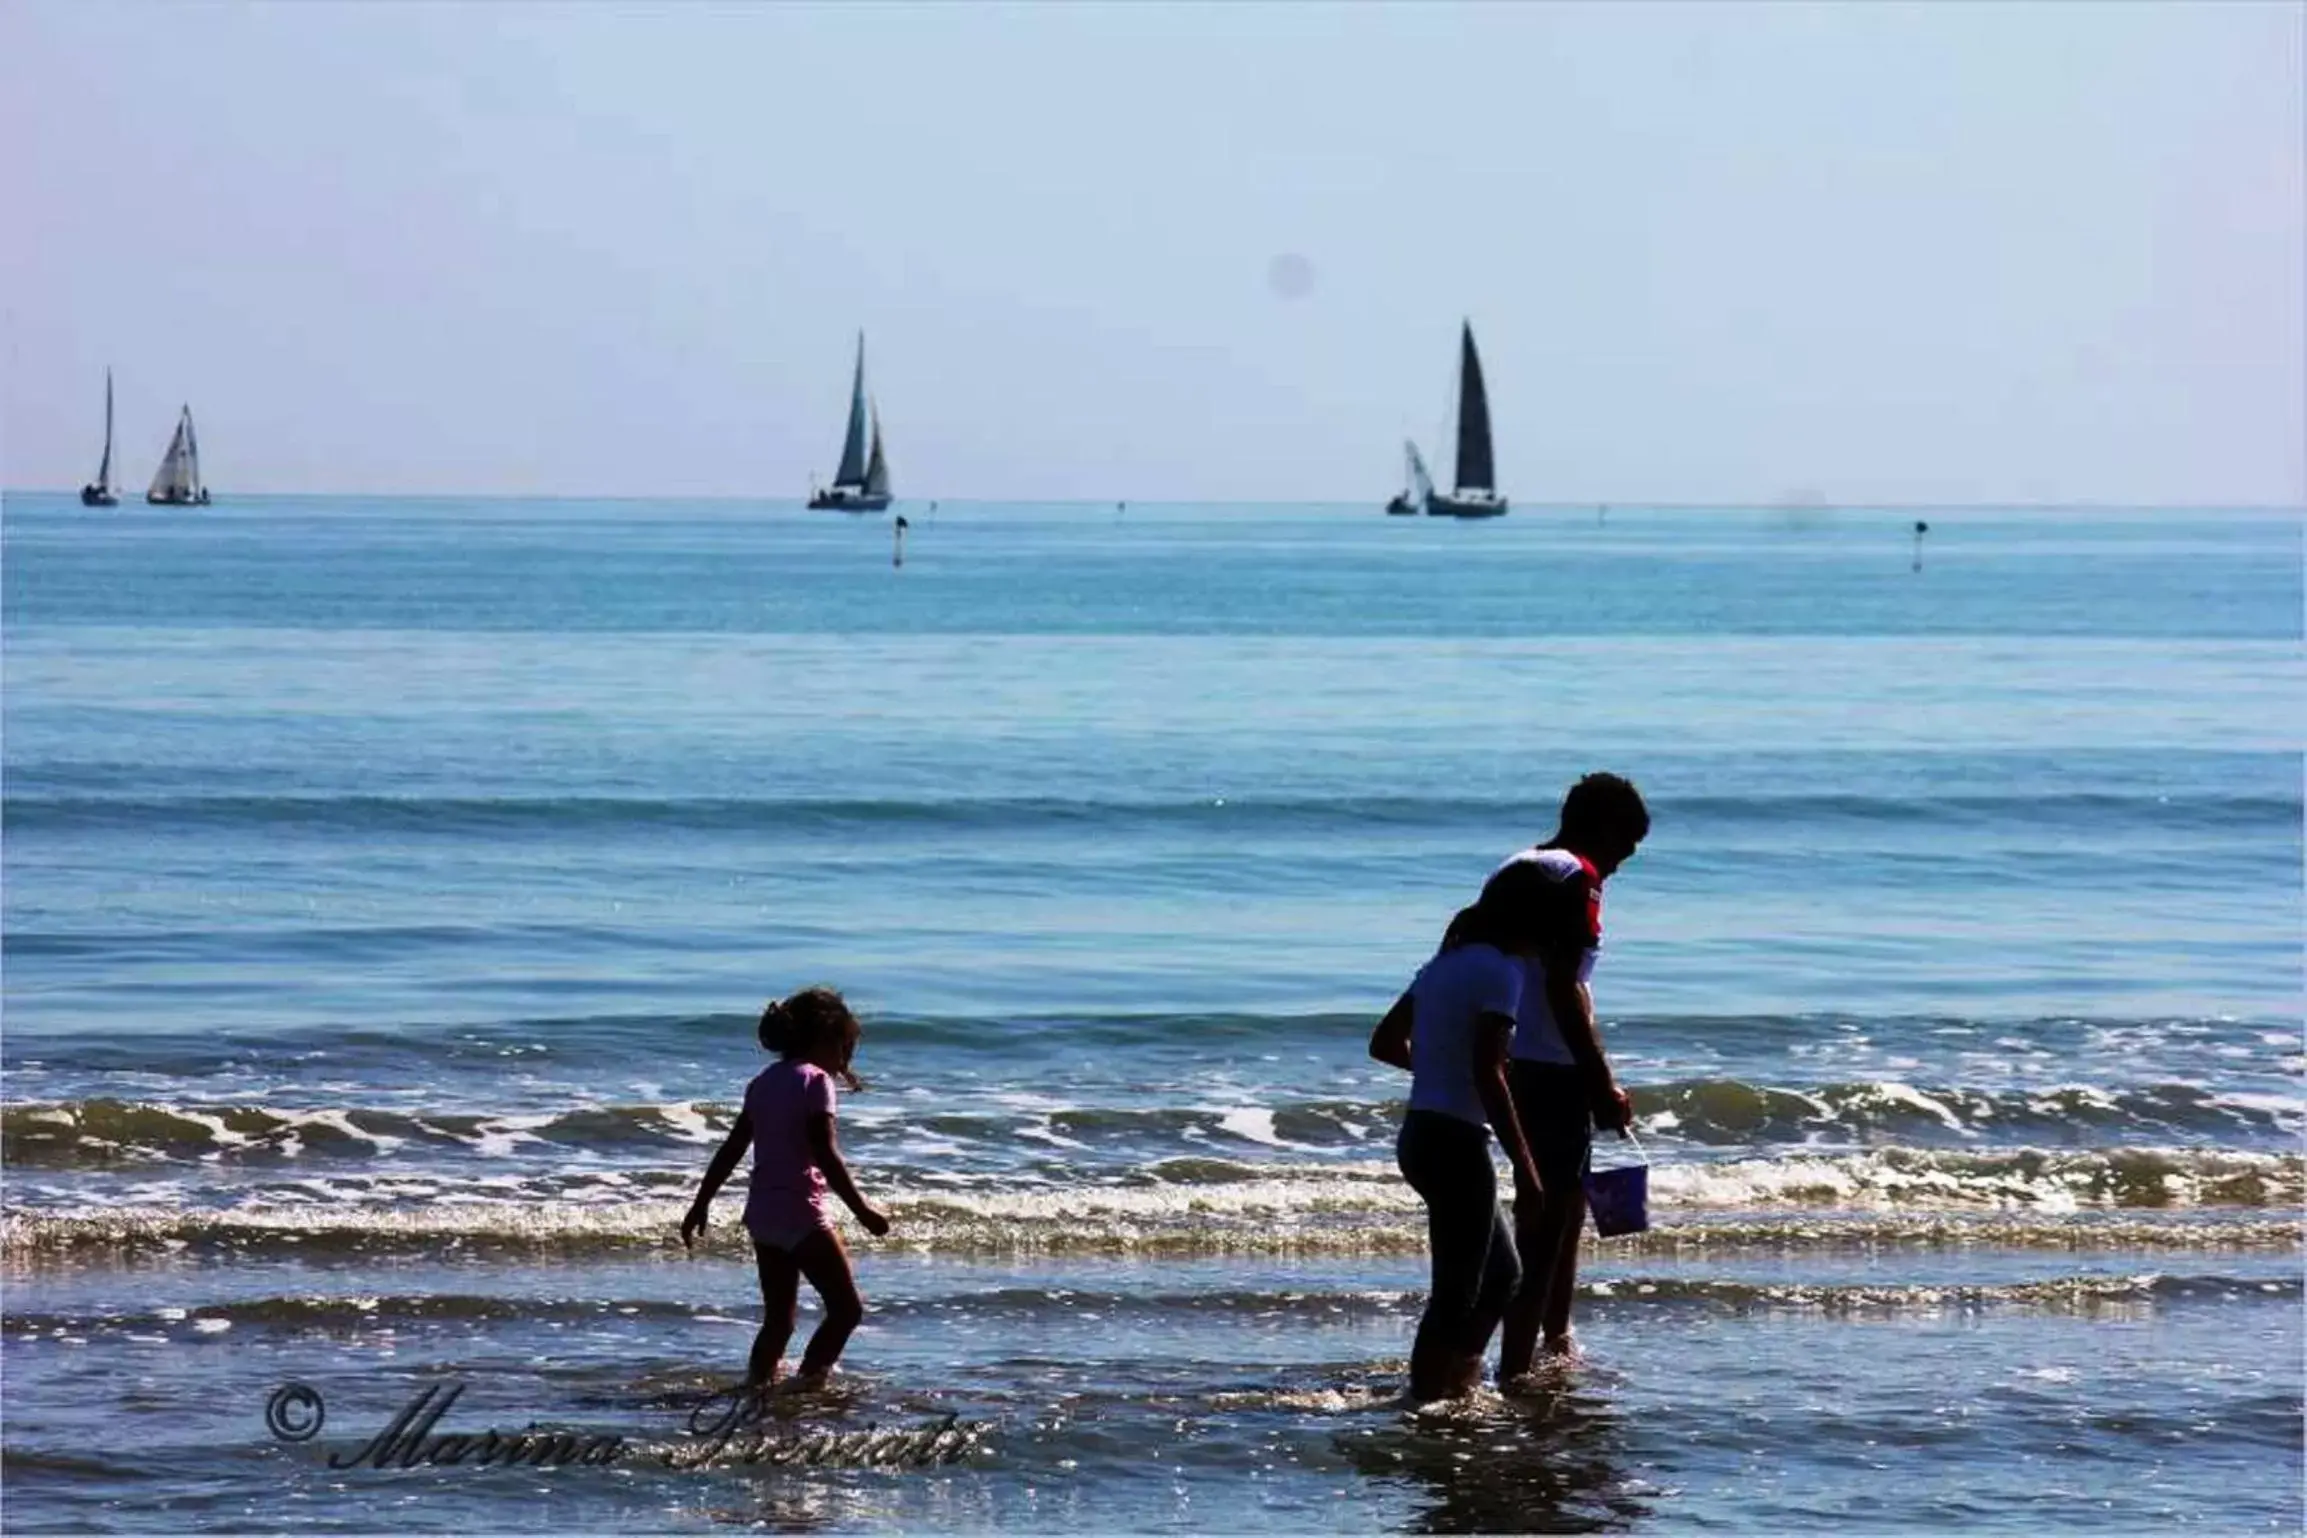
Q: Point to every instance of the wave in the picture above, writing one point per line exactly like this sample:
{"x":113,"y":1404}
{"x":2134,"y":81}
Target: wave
{"x":107,"y":1132}
{"x":2027,"y":1198}
{"x":1028,"y":1304}
{"x":1735,"y":1112}
{"x":292,"y":1048}
{"x":507,"y":816}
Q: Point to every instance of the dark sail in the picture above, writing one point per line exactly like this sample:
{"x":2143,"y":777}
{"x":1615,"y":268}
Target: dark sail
{"x":1475,"y":470}
{"x":851,"y":471}
{"x":98,"y":493}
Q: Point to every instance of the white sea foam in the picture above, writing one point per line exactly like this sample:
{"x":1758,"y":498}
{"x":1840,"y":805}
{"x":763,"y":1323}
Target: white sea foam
{"x":1235,"y":1206}
{"x":341,"y":1122}
{"x":1042,"y":1132}
{"x":1906,"y":1094}
{"x":2286,"y":1109}
{"x":1250,"y":1122}
{"x":688,"y":1122}
{"x":501,"y":1136}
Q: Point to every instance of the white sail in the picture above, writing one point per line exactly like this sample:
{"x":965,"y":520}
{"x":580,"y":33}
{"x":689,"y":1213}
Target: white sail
{"x":876,"y":466}
{"x":178,"y":478}
{"x":1421,"y":484}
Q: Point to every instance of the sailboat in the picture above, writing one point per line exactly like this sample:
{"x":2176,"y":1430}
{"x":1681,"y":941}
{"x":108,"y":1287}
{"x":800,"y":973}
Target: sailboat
{"x":99,"y":492}
{"x":861,"y":483}
{"x":177,"y":482}
{"x":1417,"y":484}
{"x":1475,"y":493}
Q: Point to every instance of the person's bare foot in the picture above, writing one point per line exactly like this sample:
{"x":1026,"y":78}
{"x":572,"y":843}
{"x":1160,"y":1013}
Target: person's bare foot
{"x":1561,"y":1348}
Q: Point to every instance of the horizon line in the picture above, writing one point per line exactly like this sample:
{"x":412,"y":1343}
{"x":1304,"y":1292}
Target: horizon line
{"x":1583,"y":505}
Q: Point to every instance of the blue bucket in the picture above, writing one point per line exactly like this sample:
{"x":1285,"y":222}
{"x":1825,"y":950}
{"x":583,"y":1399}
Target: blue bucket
{"x":1619,"y":1196}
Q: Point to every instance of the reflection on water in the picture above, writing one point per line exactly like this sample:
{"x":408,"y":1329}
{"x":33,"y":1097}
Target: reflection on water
{"x":1547,"y":1460}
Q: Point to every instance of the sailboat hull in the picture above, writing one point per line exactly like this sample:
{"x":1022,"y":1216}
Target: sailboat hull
{"x":843,"y":499}
{"x":177,"y":498}
{"x":97,"y":496}
{"x":1465,"y":505}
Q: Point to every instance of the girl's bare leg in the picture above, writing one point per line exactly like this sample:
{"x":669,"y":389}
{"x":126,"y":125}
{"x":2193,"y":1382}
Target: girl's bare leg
{"x":825,"y":1261}
{"x":780,"y":1294}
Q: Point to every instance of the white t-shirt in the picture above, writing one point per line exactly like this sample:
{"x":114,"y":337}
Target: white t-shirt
{"x":1577,"y":922}
{"x":1449,"y":997}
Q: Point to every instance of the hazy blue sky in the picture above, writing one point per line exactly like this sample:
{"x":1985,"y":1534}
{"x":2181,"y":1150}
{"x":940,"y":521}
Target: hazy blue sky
{"x":1958,"y":252}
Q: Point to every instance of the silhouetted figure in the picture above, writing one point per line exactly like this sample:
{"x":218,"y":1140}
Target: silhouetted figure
{"x":1451,"y":1030}
{"x":1560,"y":1075}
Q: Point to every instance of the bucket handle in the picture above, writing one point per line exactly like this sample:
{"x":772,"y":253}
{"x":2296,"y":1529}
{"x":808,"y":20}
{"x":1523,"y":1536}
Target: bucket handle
{"x":1641,"y":1154}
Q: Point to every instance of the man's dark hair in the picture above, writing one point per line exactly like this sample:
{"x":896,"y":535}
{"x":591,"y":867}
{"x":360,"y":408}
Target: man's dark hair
{"x":1605,"y":805}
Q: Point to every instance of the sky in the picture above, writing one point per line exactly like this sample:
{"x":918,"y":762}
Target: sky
{"x":1943,"y":253}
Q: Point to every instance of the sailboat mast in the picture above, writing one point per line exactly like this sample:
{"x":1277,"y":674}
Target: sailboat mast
{"x":104,"y":470}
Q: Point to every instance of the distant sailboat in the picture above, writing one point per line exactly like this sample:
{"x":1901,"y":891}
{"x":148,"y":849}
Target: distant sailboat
{"x":861,"y":482}
{"x":1417,"y":484}
{"x":99,"y":492}
{"x":177,"y":482}
{"x":1475,"y":494}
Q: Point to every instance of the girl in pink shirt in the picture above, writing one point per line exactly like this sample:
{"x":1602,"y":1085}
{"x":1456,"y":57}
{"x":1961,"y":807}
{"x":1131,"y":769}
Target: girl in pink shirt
{"x":787,"y":1121}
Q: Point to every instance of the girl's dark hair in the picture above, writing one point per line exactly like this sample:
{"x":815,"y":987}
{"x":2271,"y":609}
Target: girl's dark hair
{"x":1511,"y":914}
{"x":794,"y":1025}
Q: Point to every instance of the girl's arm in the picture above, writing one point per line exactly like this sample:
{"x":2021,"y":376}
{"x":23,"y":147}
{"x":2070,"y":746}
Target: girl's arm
{"x":716,"y":1175}
{"x":1494,"y":1034}
{"x":1390,"y":1042}
{"x":827,"y":1150}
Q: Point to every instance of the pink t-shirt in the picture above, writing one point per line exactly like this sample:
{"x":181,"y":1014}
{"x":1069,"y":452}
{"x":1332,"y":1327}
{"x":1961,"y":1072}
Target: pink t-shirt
{"x":788,"y":1190}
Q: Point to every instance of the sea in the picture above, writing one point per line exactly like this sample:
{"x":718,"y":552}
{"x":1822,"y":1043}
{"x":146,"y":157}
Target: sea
{"x":391,"y":887}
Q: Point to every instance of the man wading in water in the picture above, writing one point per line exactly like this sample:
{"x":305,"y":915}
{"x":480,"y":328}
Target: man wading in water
{"x":1558,"y":1075}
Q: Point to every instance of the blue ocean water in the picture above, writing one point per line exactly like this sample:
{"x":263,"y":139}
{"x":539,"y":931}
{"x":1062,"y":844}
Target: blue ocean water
{"x":389,"y":886}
